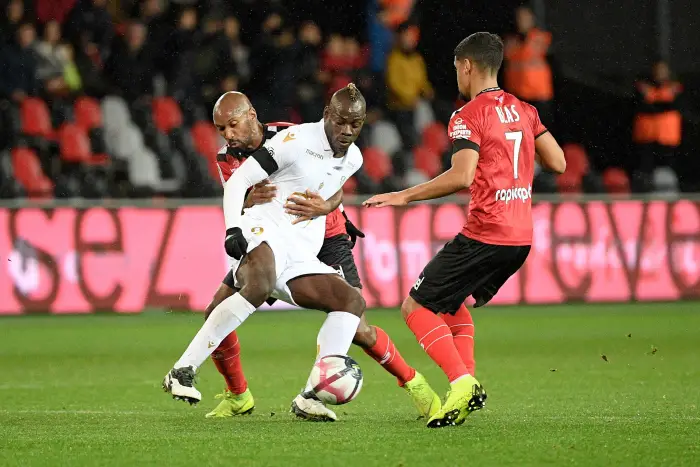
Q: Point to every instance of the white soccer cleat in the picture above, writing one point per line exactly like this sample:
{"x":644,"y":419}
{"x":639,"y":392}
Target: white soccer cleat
{"x":180,"y":383}
{"x":307,"y":406}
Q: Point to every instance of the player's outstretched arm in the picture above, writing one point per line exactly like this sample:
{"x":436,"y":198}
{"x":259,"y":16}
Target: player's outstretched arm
{"x":549,"y":154}
{"x":312,"y":205}
{"x":456,"y":178}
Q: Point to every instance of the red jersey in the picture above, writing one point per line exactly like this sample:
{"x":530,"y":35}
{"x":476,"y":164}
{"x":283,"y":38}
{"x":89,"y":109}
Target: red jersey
{"x":502,"y":129}
{"x":229,"y":159}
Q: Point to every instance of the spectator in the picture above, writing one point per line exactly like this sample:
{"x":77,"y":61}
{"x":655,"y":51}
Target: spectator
{"x":89,"y":26}
{"x":527,"y":73}
{"x":310,"y":88}
{"x":407,"y":81}
{"x":177,"y":54}
{"x":238,"y":52}
{"x":52,"y":60}
{"x":14,"y":16}
{"x":658,"y":123}
{"x":150,"y":13}
{"x":212,"y":62}
{"x":130,"y":67}
{"x":18,"y":65}
{"x":384,"y":17}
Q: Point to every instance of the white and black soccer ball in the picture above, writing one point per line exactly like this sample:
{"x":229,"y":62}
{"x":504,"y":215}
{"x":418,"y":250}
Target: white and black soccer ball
{"x":336,"y":379}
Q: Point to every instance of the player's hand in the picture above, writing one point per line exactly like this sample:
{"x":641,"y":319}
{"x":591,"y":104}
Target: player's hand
{"x":260,"y":193}
{"x":306,"y":207}
{"x":353,"y":232}
{"x":397,"y":198}
{"x":235,"y":244}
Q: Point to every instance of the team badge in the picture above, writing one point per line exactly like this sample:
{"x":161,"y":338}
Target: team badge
{"x":257,"y":230}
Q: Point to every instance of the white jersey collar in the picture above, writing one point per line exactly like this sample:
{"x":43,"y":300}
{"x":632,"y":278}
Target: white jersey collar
{"x":324,"y":138}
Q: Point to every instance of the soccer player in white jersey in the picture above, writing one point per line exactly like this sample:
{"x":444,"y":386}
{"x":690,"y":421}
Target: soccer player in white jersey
{"x":276,"y":254}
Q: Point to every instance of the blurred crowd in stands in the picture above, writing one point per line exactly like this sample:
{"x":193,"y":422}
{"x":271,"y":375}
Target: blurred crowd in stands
{"x":104,"y":98}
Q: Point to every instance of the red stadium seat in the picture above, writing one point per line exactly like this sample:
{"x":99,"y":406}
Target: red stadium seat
{"x":205,"y":139}
{"x":36,"y":119}
{"x":427,"y":161}
{"x":28,"y":172}
{"x":569,"y":182}
{"x":435,"y":137}
{"x":166,"y":114}
{"x":376,"y":163}
{"x":75,"y":146}
{"x":88,"y":113}
{"x":616,"y":181}
{"x":576,"y":159}
{"x":350,"y":186}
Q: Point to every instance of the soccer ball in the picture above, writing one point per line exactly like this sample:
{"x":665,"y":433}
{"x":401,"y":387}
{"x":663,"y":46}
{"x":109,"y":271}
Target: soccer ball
{"x":336,"y":379}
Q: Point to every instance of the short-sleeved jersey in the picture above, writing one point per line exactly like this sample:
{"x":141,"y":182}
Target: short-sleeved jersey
{"x":502,"y":129}
{"x":297,"y":159}
{"x":229,"y":159}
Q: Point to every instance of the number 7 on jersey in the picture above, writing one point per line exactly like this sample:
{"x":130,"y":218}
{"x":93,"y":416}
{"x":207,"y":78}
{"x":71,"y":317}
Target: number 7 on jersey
{"x":517,"y":138}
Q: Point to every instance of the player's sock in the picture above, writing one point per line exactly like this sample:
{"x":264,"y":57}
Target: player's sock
{"x":385,"y":353}
{"x":227,"y":359}
{"x":462,"y":329}
{"x":335,"y":336}
{"x":223,"y":320}
{"x":435,"y":338}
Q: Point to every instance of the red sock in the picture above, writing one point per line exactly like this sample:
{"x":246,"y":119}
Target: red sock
{"x":462,"y":329}
{"x":435,"y":338}
{"x":385,"y":353}
{"x":227,"y":358}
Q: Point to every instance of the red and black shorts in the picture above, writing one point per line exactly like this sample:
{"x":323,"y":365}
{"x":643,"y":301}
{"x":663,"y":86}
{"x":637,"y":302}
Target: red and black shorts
{"x":466,"y":267}
{"x":336,"y":252}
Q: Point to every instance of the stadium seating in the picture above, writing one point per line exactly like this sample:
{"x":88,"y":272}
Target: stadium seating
{"x":435,"y":138}
{"x":206,"y":142}
{"x":75,"y":146}
{"x":27,"y":171}
{"x":616,"y":181}
{"x":36,"y":118}
{"x":427,"y":161}
{"x":377,"y":164}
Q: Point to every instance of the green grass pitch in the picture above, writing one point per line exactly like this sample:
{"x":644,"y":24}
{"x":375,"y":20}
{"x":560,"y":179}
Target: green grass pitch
{"x":592,"y":385}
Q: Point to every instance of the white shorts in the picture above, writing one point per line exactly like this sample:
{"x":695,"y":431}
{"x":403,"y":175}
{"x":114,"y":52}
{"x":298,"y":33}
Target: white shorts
{"x":292,"y":259}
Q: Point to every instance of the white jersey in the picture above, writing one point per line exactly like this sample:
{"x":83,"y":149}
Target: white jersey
{"x":305,"y":162}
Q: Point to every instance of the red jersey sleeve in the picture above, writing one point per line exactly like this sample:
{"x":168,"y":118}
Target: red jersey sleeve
{"x":465,"y":130}
{"x":538,"y":128}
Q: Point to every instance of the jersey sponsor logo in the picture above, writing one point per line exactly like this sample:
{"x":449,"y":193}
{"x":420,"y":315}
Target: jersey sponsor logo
{"x":314,"y":154}
{"x":515,"y":193}
{"x":289,"y":137}
{"x":257,"y":230}
{"x":418,"y":283}
{"x":460,"y":131}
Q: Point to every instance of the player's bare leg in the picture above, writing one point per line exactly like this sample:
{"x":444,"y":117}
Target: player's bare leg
{"x":377,"y":344}
{"x":257,"y":276}
{"x":236,"y":399}
{"x":344,"y":306}
{"x":466,"y":393}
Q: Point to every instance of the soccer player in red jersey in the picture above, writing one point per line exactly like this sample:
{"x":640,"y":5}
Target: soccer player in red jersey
{"x":496,"y":140}
{"x":237,"y":122}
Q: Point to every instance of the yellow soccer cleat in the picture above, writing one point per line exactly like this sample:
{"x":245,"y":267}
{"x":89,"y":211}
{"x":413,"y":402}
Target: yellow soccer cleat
{"x":466,"y":396}
{"x":233,"y":404}
{"x":425,"y":399}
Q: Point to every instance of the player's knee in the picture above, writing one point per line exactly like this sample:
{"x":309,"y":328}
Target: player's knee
{"x":407,"y":307}
{"x":355,"y":303}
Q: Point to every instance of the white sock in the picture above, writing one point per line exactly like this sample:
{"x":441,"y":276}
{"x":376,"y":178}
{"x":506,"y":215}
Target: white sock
{"x":226,"y":317}
{"x":335,"y":336}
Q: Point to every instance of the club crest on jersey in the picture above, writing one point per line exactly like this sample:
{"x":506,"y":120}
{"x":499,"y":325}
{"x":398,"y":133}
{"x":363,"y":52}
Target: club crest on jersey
{"x":257,"y":230}
{"x":320,"y":186}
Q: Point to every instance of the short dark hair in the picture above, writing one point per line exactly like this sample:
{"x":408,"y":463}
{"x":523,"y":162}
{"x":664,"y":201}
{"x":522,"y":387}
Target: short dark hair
{"x":483,"y":48}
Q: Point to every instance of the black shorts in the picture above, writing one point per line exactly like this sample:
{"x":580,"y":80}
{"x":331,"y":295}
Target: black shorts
{"x":466,"y":267}
{"x":336,"y":252}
